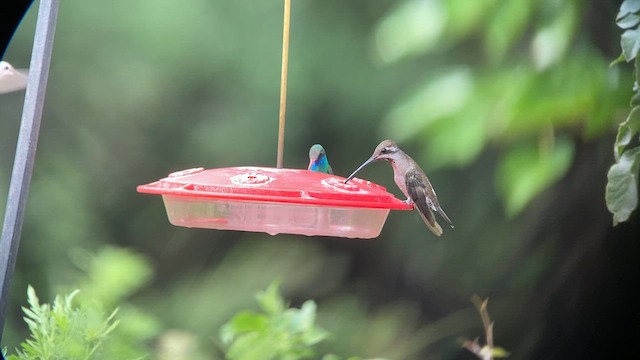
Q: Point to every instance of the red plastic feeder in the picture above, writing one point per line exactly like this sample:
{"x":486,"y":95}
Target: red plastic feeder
{"x":274,"y":201}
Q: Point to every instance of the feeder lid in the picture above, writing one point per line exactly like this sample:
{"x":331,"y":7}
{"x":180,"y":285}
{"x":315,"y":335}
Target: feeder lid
{"x":293,"y":186}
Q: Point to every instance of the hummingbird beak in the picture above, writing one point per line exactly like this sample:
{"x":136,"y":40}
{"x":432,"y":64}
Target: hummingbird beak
{"x":369,"y":161}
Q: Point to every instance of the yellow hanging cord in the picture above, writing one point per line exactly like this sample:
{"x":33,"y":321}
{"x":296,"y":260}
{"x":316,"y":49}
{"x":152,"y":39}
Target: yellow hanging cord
{"x":283,"y":81}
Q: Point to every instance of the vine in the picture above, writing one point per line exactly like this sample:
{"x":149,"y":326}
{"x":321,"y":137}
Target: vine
{"x":622,"y":180}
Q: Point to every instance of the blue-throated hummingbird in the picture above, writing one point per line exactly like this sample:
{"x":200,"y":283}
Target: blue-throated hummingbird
{"x":318,"y":160}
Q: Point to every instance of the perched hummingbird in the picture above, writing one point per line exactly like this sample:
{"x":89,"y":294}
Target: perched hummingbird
{"x":11,"y":79}
{"x":412,"y":181}
{"x":318,"y":160}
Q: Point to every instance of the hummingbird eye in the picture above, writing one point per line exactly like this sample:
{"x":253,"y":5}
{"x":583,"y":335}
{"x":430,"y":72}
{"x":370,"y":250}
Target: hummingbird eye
{"x":385,"y":150}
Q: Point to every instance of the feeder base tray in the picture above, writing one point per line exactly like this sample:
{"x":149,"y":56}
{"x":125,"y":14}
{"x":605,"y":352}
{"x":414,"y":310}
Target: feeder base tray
{"x":275,"y":218}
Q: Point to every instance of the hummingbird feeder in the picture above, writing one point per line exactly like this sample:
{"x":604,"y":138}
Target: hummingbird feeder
{"x":275,"y":200}
{"x":292,"y":201}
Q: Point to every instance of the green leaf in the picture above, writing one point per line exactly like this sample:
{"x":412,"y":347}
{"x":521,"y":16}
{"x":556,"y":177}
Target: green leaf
{"x":563,"y":95}
{"x":622,"y":186}
{"x":618,"y":60}
{"x":281,"y":333}
{"x":112,"y":274}
{"x":499,"y":352}
{"x":467,"y":129}
{"x":464,"y":17}
{"x":253,"y":346}
{"x":626,"y":131}
{"x":507,"y":25}
{"x":243,"y":322}
{"x":630,"y":43}
{"x":526,"y":171}
{"x":270,"y":300}
{"x":414,"y":27}
{"x":624,"y":137}
{"x":633,"y":120}
{"x":635,"y":100}
{"x":314,"y":336}
{"x":552,"y":40}
{"x":440,"y":96}
{"x":32,"y":298}
{"x":307,"y":314}
{"x":636,"y":74}
{"x":627,"y":7}
{"x":628,"y":21}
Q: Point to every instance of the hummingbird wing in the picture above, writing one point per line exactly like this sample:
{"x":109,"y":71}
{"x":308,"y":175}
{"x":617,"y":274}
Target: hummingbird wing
{"x":417,"y":191}
{"x":431,"y":197}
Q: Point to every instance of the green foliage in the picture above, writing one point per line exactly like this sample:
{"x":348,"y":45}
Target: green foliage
{"x":413,"y":27}
{"x":111,"y":274}
{"x":110,"y":277}
{"x":470,"y":103}
{"x":278,"y":332}
{"x":64,"y":331}
{"x":622,"y":185}
{"x":621,"y":193}
{"x":79,"y":326}
{"x":528,"y":169}
{"x":626,"y":19}
{"x":512,"y":15}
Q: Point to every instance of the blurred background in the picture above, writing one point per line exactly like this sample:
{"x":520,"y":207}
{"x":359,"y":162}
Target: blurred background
{"x":510,"y":107}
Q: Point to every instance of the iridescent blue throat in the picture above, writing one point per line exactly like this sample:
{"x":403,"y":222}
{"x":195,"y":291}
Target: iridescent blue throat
{"x":321,"y":164}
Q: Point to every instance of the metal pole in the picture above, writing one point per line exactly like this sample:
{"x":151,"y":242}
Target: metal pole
{"x":26,"y":147}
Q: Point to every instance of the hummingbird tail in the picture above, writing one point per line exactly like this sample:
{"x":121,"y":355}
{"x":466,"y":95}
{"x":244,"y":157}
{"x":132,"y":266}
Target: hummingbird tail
{"x":442,"y":213}
{"x":435,"y":227}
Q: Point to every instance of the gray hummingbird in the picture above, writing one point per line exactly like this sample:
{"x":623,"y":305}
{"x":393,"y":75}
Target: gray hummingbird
{"x":12,"y":79}
{"x":412,"y":181}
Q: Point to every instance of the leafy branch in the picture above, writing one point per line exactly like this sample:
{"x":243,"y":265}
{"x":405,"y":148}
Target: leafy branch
{"x":278,"y":332}
{"x":62,"y":330}
{"x":488,"y":351}
{"x":621,"y":193}
{"x":83,"y":325}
